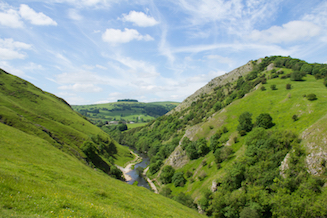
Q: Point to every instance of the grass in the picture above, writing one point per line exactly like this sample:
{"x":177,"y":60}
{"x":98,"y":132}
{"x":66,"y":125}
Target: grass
{"x":42,"y":168}
{"x":281,"y":104}
{"x":127,"y":111}
{"x":134,"y":125}
{"x":37,"y":179}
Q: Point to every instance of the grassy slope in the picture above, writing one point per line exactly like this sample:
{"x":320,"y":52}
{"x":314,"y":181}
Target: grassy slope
{"x":31,"y":110}
{"x":37,"y":179}
{"x":281,"y":104}
{"x":130,"y":115}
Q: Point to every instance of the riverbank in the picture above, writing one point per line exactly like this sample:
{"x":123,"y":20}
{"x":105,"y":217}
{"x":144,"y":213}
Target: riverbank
{"x":129,"y":166}
{"x":152,"y":185}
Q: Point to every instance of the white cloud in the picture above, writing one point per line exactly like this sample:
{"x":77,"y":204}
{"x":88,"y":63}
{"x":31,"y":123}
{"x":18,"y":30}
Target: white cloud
{"x":101,"y":67}
{"x":10,"y":69}
{"x":140,"y":68}
{"x":115,"y":36}
{"x":10,"y":49}
{"x":74,"y":15}
{"x":35,"y":18}
{"x":139,"y":19}
{"x":81,"y":88}
{"x":10,"y":18}
{"x":289,"y":32}
{"x":220,"y":59}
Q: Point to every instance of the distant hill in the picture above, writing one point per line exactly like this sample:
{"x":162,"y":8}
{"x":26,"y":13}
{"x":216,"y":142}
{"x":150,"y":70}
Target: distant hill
{"x":124,"y":111}
{"x":251,"y":143}
{"x":55,"y":163}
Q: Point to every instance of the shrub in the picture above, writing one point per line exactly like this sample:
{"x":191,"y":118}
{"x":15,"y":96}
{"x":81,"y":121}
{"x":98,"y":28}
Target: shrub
{"x":202,"y":175}
{"x":242,"y":133}
{"x":311,"y":97}
{"x":188,"y":174}
{"x":288,"y":86}
{"x":178,"y":179}
{"x":204,"y":163}
{"x":263,"y":88}
{"x":295,"y":117}
{"x":273,"y":87}
{"x":296,"y":76}
{"x":167,"y":174}
{"x":264,"y":120}
{"x":235,"y":139}
{"x":165,"y":191}
{"x":245,"y":122}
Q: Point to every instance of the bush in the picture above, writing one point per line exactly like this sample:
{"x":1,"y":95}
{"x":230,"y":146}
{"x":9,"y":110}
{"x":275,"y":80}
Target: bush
{"x":264,"y":120}
{"x":178,"y":179}
{"x":245,"y":122}
{"x":242,"y":133}
{"x":295,"y":117}
{"x":202,"y":176}
{"x":167,"y":174}
{"x":165,"y":191}
{"x":288,"y":86}
{"x":263,"y":88}
{"x":273,"y":87}
{"x":185,"y":200}
{"x":296,"y":76}
{"x":188,"y":174}
{"x":311,"y":97}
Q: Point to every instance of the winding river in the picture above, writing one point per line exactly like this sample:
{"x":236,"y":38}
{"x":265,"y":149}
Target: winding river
{"x":133,"y":173}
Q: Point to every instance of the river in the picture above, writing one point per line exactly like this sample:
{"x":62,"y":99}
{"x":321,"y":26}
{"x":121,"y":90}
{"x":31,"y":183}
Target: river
{"x":133,"y":173}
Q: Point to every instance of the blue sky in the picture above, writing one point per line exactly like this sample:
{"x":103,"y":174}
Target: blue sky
{"x":98,"y":51}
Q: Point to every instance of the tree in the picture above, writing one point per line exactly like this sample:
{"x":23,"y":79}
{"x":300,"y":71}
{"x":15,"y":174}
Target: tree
{"x":167,"y":174}
{"x":264,"y":120}
{"x":165,"y":191}
{"x":179,"y":179}
{"x":296,"y":76}
{"x":122,"y":127}
{"x":245,"y":122}
{"x":288,"y":86}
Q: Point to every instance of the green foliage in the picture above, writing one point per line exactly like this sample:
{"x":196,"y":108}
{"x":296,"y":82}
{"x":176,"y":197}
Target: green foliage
{"x":264,"y":120}
{"x":166,"y":174}
{"x":288,"y":86}
{"x":263,"y":88}
{"x":178,"y":179}
{"x":185,"y":200}
{"x":273,"y":87}
{"x":122,"y":127}
{"x":296,"y":76}
{"x":245,"y":122}
{"x":311,"y":97}
{"x":165,"y":191}
{"x":295,"y":117}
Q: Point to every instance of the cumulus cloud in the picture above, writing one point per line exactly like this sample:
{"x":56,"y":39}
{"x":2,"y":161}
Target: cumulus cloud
{"x":289,"y":32}
{"x":116,"y":36}
{"x":35,"y":18}
{"x":10,"y":49}
{"x":10,"y":18}
{"x":139,"y":19}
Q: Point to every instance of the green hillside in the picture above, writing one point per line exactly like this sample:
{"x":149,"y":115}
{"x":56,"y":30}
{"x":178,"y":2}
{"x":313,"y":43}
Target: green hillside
{"x":55,"y":163}
{"x":231,"y":171}
{"x":124,"y":111}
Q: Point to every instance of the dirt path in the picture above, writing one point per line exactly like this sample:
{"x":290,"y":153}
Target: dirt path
{"x":152,"y":185}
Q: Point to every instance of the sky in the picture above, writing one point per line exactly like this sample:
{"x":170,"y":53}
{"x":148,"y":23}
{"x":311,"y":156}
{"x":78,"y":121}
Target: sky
{"x":98,"y":51}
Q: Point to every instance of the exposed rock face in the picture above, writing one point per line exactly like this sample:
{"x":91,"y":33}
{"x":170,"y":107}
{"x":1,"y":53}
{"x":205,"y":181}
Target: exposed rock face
{"x":221,"y":80}
{"x":315,"y":140}
{"x":177,"y":158}
{"x":284,"y":165}
{"x":270,"y":66}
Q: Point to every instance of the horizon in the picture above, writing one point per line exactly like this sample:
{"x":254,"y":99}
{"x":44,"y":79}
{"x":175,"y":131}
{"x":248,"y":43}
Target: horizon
{"x":98,"y":51}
